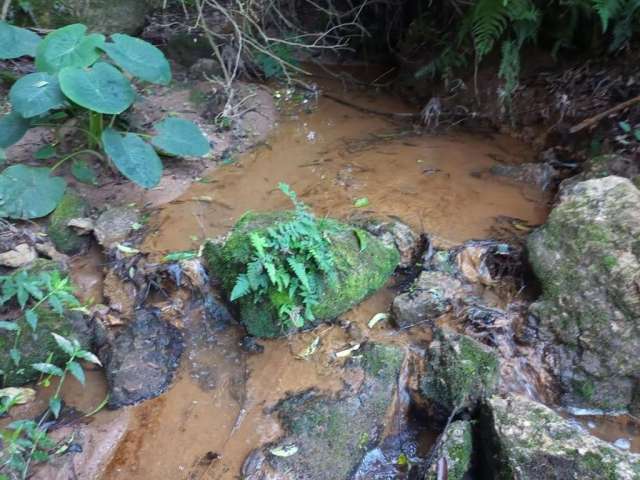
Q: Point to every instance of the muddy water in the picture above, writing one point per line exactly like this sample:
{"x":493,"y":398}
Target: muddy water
{"x":217,"y":410}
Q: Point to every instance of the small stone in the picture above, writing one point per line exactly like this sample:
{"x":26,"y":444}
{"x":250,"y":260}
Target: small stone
{"x":113,"y":225}
{"x":622,"y":443}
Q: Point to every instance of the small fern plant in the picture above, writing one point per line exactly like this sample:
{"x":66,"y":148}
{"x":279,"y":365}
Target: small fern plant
{"x":287,"y":262}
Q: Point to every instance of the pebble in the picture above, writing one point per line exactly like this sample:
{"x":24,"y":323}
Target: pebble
{"x":622,"y":443}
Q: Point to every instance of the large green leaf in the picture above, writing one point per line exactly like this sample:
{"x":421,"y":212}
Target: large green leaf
{"x":68,"y":47}
{"x":134,"y":157}
{"x":12,"y":128}
{"x":101,"y":88}
{"x":178,"y":136}
{"x":16,"y":42}
{"x":139,"y":58}
{"x":29,"y":192}
{"x":35,"y":94}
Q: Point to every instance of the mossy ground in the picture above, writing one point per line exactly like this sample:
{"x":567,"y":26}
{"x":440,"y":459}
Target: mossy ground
{"x":359,"y":272}
{"x":64,"y":237}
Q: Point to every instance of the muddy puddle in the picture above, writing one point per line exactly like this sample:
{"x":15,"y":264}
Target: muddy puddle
{"x":217,"y":411}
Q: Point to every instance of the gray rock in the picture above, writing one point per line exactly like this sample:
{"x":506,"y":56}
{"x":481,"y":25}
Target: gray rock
{"x":141,"y":361}
{"x":541,"y":175}
{"x":455,"y":449}
{"x":460,"y":371}
{"x":329,"y":436}
{"x":524,"y":440}
{"x":394,"y":233}
{"x":587,"y":258}
{"x":114,"y":224}
{"x":431,"y":295}
{"x":106,"y":16}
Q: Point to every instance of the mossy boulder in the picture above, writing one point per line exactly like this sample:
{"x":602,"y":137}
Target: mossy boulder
{"x":106,"y":16}
{"x":456,"y":447}
{"x":525,"y":440}
{"x":460,"y":371}
{"x":64,"y":237}
{"x":362,"y":267}
{"x":587,"y":258}
{"x":332,"y":434}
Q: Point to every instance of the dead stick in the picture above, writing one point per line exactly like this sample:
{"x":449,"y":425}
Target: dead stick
{"x":596,"y":118}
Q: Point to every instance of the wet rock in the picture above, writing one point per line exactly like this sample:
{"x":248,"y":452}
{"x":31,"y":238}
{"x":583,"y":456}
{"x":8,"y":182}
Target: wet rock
{"x":604,"y":166}
{"x":141,"y":361}
{"x":120,"y":294}
{"x":359,"y":272}
{"x":394,"y":233}
{"x":61,"y":234}
{"x":250,"y":345}
{"x":20,"y":256}
{"x":114,"y":225}
{"x":542,"y":175}
{"x":331,"y":435}
{"x":106,"y":16}
{"x":453,"y":452}
{"x":523,"y":439}
{"x":97,"y":443}
{"x":460,"y":371}
{"x":431,"y":295}
{"x":587,"y":258}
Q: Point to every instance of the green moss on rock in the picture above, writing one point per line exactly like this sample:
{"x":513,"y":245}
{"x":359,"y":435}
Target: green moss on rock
{"x":359,"y":272}
{"x":64,"y":237}
{"x":457,"y":448}
{"x":523,"y":439}
{"x":460,"y":371}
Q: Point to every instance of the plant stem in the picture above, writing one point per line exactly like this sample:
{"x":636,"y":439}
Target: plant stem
{"x":96,"y":125}
{"x":75,"y":154}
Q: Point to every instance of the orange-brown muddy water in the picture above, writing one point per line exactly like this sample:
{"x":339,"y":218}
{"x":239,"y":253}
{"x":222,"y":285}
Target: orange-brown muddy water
{"x":216,"y":411}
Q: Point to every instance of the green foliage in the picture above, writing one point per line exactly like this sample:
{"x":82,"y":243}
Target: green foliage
{"x":272,"y":64}
{"x":29,"y":192}
{"x":81,"y":73}
{"x":288,"y":257}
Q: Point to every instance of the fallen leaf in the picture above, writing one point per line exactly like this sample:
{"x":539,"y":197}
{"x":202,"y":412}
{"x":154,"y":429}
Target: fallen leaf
{"x":311,"y":349}
{"x":19,"y":395}
{"x":127,"y":250}
{"x":284,"y":451}
{"x":347,"y":352}
{"x":377,"y":318}
{"x":361,"y":202}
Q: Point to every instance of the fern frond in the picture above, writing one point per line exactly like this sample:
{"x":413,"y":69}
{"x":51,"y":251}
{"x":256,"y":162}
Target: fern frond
{"x":300,"y":271}
{"x":606,"y":10}
{"x":489,"y":21}
{"x":241,"y":288}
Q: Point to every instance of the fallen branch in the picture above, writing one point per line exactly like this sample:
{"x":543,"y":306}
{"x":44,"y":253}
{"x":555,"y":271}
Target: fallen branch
{"x":589,"y":122}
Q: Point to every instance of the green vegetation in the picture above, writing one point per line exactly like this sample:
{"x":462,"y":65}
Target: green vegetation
{"x":38,"y":294}
{"x":83,"y":75}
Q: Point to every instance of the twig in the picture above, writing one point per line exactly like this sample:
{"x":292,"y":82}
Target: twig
{"x":589,"y":122}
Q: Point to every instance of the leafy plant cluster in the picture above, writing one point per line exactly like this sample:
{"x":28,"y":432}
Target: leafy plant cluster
{"x":507,"y":26}
{"x":287,"y":262}
{"x":82,"y":74}
{"x":25,"y":442}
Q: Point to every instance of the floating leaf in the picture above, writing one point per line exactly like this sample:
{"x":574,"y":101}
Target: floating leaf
{"x":361,"y":202}
{"x":16,"y":42}
{"x":348,"y":351}
{"x":68,"y":47}
{"x":29,"y":192}
{"x":101,"y":88}
{"x":83,"y":172}
{"x":378,"y":317}
{"x":178,"y":136}
{"x":35,"y":94}
{"x":139,"y":58}
{"x":13,"y":126}
{"x":135,"y":158}
{"x":46,"y":152}
{"x":284,"y":451}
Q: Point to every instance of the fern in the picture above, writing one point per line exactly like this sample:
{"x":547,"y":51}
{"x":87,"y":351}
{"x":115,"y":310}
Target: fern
{"x":241,"y":289}
{"x":489,"y":20}
{"x":606,"y":10}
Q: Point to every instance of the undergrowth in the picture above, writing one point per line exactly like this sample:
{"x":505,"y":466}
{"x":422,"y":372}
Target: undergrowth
{"x":289,"y":257}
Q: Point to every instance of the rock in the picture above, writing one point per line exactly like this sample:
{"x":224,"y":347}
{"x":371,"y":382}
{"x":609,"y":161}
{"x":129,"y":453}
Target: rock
{"x":205,"y":68}
{"x":460,"y":371}
{"x":604,"y":166}
{"x":587,"y":258}
{"x":120,"y":294}
{"x":250,"y":344}
{"x":141,"y":361}
{"x":541,"y":175}
{"x":396,"y":234}
{"x":359,"y":272}
{"x":455,"y":449}
{"x":98,"y":442}
{"x":21,"y":255}
{"x":331,"y":435}
{"x":61,"y":234}
{"x":37,"y":348}
{"x":523,"y":439}
{"x":430,"y":296}
{"x":114,"y":225}
{"x":105,"y":16}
